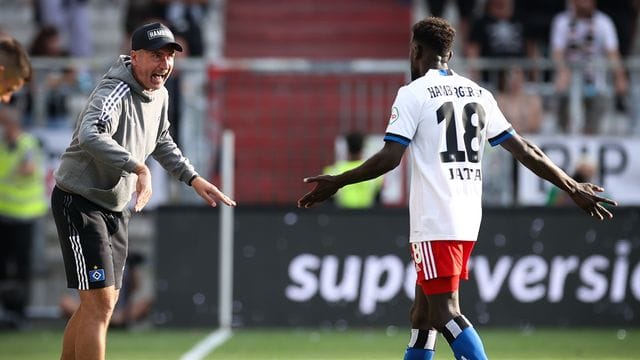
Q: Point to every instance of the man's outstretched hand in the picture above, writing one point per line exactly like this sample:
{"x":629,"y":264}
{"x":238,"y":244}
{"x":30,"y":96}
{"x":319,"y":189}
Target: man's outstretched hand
{"x":143,"y":187}
{"x":210,"y":193}
{"x":325,"y":187}
{"x":587,"y":198}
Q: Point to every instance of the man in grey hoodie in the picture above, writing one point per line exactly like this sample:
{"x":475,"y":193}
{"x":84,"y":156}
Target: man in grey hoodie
{"x":124,"y":121}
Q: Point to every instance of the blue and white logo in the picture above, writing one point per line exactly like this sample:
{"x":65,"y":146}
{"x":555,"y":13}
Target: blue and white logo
{"x":96,"y":275}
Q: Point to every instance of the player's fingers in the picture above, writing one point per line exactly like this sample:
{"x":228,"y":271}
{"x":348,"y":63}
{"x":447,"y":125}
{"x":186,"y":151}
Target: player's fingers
{"x":606,"y":200}
{"x":305,"y":202}
{"x":604,"y":212}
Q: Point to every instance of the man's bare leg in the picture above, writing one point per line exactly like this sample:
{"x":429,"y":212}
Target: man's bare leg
{"x":91,"y":320}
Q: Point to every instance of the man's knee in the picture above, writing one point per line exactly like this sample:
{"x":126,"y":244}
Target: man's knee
{"x":98,"y":303}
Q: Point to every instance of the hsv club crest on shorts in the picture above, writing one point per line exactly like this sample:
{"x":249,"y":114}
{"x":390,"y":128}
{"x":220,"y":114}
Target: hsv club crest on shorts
{"x":96,"y":275}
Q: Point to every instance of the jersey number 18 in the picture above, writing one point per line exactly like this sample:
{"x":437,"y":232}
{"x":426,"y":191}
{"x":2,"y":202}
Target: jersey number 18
{"x":471,"y":131}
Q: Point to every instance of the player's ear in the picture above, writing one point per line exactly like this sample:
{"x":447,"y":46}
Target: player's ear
{"x":450,"y":55}
{"x":417,"y":52}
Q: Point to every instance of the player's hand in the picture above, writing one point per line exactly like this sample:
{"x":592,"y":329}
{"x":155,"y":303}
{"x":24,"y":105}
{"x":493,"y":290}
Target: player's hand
{"x":143,"y":187}
{"x":210,"y":193}
{"x":586,"y":197}
{"x":325,"y":187}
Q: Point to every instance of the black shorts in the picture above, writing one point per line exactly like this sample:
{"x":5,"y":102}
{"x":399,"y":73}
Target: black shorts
{"x":93,"y":240}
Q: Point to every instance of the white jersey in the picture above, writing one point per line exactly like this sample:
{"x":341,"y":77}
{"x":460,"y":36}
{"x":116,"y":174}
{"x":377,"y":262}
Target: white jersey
{"x":445,"y":120}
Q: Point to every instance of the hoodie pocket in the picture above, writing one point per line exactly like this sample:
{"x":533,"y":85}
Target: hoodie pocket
{"x":117,"y":197}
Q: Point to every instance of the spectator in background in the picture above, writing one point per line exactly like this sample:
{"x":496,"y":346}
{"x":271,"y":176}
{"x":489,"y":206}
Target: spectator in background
{"x":48,"y":43}
{"x":174,"y":87}
{"x":624,"y":14}
{"x":186,"y":18}
{"x":362,"y":195}
{"x":523,"y":108}
{"x":60,"y":82}
{"x":537,"y":15}
{"x":72,"y":18}
{"x":583,"y":39}
{"x":138,"y":13}
{"x":465,"y":12}
{"x":499,"y":33}
{"x":22,"y":203}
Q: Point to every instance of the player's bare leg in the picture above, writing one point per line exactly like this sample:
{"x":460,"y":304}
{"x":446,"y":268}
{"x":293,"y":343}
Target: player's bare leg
{"x":445,"y":315}
{"x":85,"y":336}
{"x":423,"y":335}
{"x":420,"y":310}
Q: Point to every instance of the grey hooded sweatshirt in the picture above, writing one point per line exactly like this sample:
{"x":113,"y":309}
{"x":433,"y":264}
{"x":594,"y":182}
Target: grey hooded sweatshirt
{"x":120,"y":126}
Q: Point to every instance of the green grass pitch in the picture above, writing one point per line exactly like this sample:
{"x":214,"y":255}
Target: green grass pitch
{"x":308,"y":344}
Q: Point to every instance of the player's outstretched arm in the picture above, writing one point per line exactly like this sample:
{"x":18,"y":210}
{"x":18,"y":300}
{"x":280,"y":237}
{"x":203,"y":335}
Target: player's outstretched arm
{"x":210,"y":193}
{"x":326,"y":185}
{"x":585,"y":195}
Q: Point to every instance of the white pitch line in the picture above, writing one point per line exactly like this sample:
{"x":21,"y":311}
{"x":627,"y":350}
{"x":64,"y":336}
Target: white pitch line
{"x":207,"y":345}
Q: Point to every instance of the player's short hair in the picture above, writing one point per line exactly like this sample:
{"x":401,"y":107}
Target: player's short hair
{"x":14,"y":58}
{"x":436,"y":34}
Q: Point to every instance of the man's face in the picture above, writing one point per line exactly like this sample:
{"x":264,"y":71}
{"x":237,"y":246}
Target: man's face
{"x":584,"y":8}
{"x":8,"y":85}
{"x":152,"y":67}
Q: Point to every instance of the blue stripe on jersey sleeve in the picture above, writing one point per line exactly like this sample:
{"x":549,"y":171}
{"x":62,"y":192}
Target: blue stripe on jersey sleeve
{"x":397,"y":138}
{"x":497,"y":140}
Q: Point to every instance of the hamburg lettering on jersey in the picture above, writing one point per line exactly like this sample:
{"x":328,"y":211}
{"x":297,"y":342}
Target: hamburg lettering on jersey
{"x":448,"y":90}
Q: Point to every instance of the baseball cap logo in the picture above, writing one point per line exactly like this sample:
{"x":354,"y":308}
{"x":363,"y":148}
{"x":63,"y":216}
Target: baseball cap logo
{"x":156,"y":33}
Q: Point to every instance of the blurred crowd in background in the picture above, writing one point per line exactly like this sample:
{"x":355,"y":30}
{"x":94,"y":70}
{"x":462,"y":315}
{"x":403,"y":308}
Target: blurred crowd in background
{"x":594,"y":37}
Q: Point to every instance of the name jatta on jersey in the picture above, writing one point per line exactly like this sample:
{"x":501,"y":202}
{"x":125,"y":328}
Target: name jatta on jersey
{"x":466,"y":173}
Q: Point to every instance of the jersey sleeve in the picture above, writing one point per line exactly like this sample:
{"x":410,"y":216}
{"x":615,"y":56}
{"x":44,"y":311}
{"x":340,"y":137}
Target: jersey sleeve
{"x":498,"y":128}
{"x":405,"y":117}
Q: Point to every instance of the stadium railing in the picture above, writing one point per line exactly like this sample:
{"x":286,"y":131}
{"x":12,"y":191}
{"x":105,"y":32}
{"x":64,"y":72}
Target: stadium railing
{"x":344,"y":95}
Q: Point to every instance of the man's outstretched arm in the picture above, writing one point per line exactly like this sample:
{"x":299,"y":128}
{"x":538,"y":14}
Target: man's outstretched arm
{"x":583,"y":194}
